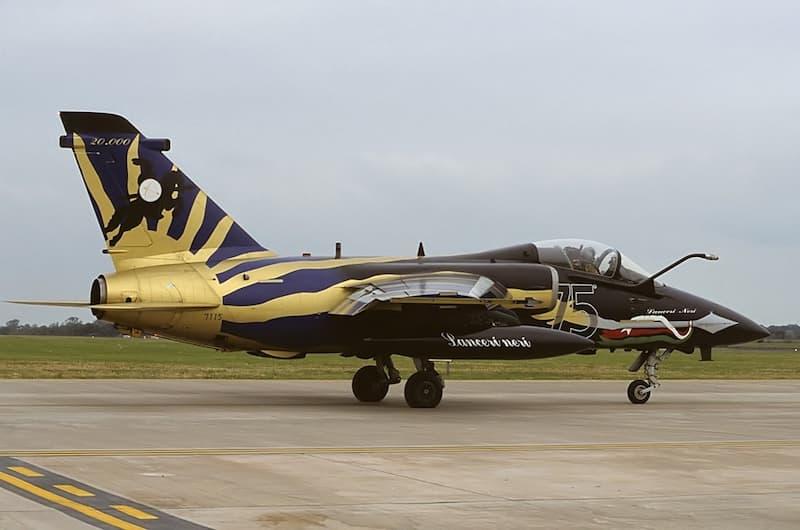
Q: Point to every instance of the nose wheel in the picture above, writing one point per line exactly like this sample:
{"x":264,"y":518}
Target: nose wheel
{"x":639,"y":390}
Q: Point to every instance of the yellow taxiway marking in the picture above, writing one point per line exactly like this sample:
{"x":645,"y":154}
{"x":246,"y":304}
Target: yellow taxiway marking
{"x":88,"y":511}
{"x":25,"y":472}
{"x":239,"y":451}
{"x":74,"y":490}
{"x":133,"y":512}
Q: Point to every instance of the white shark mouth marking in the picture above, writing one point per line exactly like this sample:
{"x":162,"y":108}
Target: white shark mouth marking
{"x":661,"y":319}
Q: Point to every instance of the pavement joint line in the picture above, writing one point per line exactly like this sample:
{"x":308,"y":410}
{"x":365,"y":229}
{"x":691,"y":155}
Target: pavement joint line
{"x":466,"y":448}
{"x":489,"y":500}
{"x":413,"y":479}
{"x":83,"y":509}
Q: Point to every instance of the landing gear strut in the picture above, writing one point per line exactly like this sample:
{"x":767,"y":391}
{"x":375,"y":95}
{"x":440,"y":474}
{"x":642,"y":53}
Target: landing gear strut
{"x":424,"y":389}
{"x":639,"y":390}
{"x":371,"y":383}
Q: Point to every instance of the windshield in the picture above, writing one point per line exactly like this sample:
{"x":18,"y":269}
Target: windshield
{"x":590,"y":256}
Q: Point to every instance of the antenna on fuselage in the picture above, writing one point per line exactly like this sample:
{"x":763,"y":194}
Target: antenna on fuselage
{"x":420,"y":250}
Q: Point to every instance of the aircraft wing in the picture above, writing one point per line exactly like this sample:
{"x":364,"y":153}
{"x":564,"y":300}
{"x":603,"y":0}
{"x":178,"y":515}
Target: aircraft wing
{"x":52,"y":303}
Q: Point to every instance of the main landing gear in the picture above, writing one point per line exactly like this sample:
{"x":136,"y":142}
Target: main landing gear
{"x":639,"y":390}
{"x":371,"y":383}
{"x":423,"y":389}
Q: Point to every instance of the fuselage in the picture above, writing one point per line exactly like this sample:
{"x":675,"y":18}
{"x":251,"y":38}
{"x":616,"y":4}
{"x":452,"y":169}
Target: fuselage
{"x":303,"y":305}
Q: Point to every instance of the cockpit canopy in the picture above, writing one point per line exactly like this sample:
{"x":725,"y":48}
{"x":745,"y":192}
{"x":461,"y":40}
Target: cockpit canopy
{"x":590,"y":257}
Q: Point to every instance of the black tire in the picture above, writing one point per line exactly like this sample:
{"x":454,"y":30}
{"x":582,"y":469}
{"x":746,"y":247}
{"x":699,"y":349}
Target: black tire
{"x":636,"y":392}
{"x":424,"y":390}
{"x":369,"y":384}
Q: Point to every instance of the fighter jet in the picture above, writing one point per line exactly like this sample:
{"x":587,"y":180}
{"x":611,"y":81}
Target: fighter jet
{"x":184,"y":269}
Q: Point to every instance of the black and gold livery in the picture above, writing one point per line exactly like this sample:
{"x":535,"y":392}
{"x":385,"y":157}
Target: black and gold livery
{"x":185,"y":269}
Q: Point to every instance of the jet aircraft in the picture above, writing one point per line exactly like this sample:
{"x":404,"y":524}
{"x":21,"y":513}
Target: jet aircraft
{"x":184,"y":269}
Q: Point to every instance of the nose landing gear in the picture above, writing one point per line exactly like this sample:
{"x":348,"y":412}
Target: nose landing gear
{"x":639,"y":390}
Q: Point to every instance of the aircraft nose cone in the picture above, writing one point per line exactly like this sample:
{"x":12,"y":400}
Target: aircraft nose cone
{"x":750,"y":331}
{"x":745,"y":330}
{"x":716,"y":325}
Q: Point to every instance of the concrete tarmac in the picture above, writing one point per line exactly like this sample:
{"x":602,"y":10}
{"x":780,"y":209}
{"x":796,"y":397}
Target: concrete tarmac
{"x":508,"y":454}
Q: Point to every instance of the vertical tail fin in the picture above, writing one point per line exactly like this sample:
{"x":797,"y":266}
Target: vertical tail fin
{"x":150,"y":212}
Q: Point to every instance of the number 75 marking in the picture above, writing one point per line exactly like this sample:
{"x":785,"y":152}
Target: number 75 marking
{"x":571,"y":294}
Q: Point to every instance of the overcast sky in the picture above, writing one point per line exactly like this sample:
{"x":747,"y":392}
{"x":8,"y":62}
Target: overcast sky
{"x":658,"y":127}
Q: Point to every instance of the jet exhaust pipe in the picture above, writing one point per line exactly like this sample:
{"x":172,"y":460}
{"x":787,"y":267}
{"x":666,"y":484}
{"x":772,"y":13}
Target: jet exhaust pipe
{"x":98,"y":294}
{"x":512,"y":342}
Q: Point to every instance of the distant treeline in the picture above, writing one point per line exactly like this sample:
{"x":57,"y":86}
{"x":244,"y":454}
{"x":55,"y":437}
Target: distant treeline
{"x":787,"y":332}
{"x":71,"y":327}
{"x":74,"y":326}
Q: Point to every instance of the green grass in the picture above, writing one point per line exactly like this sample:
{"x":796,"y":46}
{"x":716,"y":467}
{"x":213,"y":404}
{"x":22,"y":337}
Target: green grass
{"x":88,"y":358}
